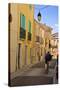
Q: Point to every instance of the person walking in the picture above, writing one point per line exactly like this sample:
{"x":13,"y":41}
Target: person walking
{"x":48,"y":58}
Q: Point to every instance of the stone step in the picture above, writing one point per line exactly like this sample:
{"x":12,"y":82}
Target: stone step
{"x":31,"y":80}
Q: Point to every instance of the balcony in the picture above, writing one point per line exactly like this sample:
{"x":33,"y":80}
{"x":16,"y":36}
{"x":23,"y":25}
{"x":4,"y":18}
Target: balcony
{"x":39,"y":39}
{"x":54,"y":46}
{"x":22,"y":33}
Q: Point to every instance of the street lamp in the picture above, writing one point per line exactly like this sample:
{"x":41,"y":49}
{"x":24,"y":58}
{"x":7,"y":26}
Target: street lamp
{"x":39,"y":16}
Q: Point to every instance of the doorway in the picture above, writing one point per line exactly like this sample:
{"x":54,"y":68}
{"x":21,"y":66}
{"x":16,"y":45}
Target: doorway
{"x":26,"y":55}
{"x":19,"y":55}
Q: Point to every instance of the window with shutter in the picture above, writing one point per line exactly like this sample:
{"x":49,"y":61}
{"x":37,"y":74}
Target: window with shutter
{"x":22,"y":26}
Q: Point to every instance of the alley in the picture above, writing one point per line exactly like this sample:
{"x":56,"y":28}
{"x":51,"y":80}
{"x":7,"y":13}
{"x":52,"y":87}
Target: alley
{"x":36,"y":75}
{"x":32,"y":36}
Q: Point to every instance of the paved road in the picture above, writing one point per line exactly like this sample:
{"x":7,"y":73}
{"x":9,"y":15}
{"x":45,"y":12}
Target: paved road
{"x":42,"y":64}
{"x":35,"y":76}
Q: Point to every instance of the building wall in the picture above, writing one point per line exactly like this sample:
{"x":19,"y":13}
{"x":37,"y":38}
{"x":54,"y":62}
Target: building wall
{"x":44,"y":32}
{"x":54,"y":47}
{"x":25,"y":9}
{"x":13,"y":37}
{"x":16,"y":44}
{"x":43,"y":42}
{"x":24,"y":52}
{"x":39,"y":31}
{"x":47,"y":37}
{"x":36,"y":44}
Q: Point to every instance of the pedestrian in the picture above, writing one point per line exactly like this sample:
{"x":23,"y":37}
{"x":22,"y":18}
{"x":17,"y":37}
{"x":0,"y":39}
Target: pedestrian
{"x":48,"y":58}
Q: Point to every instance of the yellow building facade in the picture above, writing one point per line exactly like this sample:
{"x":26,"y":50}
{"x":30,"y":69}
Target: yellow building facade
{"x":54,"y":45}
{"x":42,"y":34}
{"x":47,"y":37}
{"x":38,"y":40}
{"x":29,"y":40}
{"x":21,"y":35}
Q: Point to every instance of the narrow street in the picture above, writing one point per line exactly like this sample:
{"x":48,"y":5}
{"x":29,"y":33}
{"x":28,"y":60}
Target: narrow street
{"x":36,"y":75}
{"x":33,"y":39}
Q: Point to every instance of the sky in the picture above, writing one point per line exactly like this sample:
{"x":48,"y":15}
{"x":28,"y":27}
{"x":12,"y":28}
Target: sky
{"x":49,"y":15}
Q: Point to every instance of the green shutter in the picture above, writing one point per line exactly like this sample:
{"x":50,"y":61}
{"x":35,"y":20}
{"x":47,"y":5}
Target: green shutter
{"x":22,"y":26}
{"x":23,"y":21}
{"x":29,"y":26}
